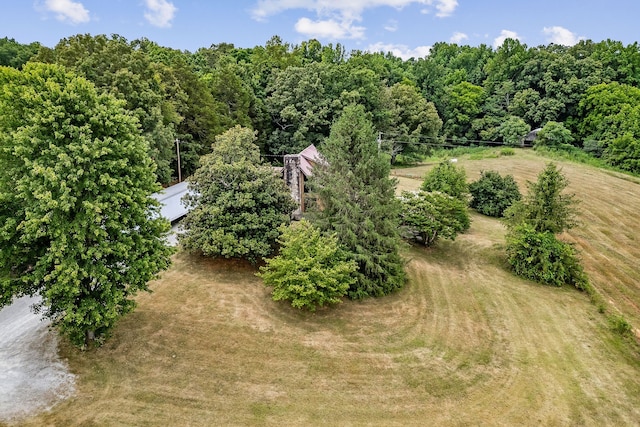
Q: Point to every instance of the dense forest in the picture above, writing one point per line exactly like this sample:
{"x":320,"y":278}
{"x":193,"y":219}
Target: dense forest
{"x":583,"y":97}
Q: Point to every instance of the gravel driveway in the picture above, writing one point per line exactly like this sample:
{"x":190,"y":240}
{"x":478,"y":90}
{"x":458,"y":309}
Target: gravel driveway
{"x":32,"y":376}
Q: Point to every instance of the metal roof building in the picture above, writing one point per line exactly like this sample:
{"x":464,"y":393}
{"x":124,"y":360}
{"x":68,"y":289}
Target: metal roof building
{"x":170,"y":198}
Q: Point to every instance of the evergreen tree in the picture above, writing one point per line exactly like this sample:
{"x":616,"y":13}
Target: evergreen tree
{"x":533,"y":250}
{"x":357,"y":203}
{"x":544,"y":207}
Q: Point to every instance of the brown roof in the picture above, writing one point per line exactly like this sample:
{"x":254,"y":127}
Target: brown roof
{"x":308,"y":157}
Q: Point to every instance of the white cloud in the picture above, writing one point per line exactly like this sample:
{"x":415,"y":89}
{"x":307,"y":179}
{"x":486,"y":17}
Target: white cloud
{"x":159,"y":13}
{"x":68,"y":10}
{"x":445,"y":7}
{"x":343,"y":14}
{"x":329,"y":29}
{"x":458,"y":37}
{"x":392,"y":26}
{"x":562,"y":36}
{"x":400,"y":50}
{"x":505,"y":34}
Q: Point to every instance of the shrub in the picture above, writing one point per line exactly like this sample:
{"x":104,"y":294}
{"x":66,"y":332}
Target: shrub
{"x":539,"y":256}
{"x":492,"y":194}
{"x":428,"y":216}
{"x":447,"y":178}
{"x":310,"y":270}
{"x":507,"y":151}
{"x":620,"y":325}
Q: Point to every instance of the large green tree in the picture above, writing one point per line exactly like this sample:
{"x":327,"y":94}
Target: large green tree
{"x":428,"y":217}
{"x":301,"y":103}
{"x":126,"y":71}
{"x":357,"y":203}
{"x":412,"y":123}
{"x":237,"y":203}
{"x":78,"y":225}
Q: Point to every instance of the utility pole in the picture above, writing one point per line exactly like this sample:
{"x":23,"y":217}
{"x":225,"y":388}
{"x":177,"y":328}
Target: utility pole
{"x":178,"y":152}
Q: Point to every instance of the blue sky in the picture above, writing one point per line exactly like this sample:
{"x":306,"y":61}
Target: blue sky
{"x":405,"y":27}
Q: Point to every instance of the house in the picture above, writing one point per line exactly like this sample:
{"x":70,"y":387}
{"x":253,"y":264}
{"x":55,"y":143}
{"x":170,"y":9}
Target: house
{"x":530,"y":138}
{"x":170,"y":198}
{"x":296,"y":170}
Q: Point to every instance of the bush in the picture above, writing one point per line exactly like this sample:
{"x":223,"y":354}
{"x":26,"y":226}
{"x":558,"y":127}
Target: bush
{"x":447,"y":178}
{"x":492,"y":194}
{"x":539,"y":256}
{"x":624,"y":153}
{"x":620,"y":325}
{"x":310,"y":270}
{"x":507,"y":151}
{"x":428,"y":216}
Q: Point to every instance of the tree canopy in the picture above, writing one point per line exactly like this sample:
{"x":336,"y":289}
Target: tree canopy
{"x":290,"y":94}
{"x":78,"y":225}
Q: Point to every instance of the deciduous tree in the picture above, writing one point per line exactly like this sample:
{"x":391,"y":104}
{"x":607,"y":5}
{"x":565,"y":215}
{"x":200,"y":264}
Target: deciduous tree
{"x":78,"y":225}
{"x":447,"y":178}
{"x":311,"y":270}
{"x":513,"y":130}
{"x":492,"y":194}
{"x":411,"y":121}
{"x":124,"y":70}
{"x":428,"y":217}
{"x":237,"y":202}
{"x":554,"y":135}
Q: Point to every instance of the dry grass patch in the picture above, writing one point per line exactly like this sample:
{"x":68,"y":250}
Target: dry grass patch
{"x":609,"y":237}
{"x":464,"y":343}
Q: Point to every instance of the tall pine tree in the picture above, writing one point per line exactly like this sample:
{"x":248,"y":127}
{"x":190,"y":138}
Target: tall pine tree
{"x":357,"y":201}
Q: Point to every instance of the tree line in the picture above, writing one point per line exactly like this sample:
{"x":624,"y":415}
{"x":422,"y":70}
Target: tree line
{"x":291,"y":94}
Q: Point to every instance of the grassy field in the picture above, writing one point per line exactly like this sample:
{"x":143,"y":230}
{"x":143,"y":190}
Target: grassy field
{"x":464,"y":343}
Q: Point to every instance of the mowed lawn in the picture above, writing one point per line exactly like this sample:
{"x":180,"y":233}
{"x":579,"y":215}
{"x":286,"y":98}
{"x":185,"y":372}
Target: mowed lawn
{"x":464,"y":343}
